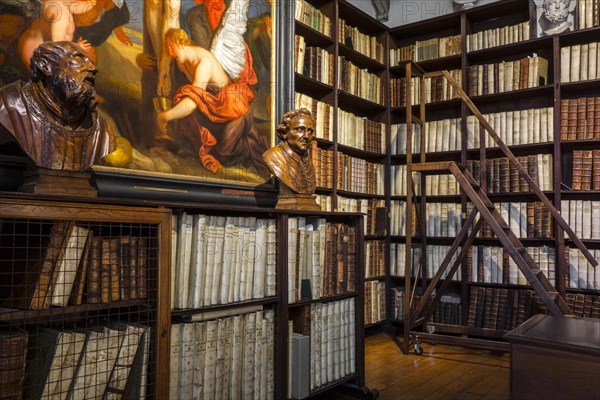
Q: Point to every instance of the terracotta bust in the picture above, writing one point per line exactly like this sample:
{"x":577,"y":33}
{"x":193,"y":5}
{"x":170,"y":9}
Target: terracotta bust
{"x":54,"y":118}
{"x":290,"y":160}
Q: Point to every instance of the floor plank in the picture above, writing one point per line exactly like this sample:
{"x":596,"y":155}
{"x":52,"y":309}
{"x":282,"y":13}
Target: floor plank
{"x":440,"y":373}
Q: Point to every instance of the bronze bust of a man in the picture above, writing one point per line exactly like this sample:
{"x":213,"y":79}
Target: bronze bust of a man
{"x":290,"y":160}
{"x":53,"y":117}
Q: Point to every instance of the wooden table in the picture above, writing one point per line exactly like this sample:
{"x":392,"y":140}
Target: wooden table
{"x":555,"y":358}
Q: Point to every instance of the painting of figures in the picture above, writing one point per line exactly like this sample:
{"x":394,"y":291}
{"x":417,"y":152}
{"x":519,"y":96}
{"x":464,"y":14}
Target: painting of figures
{"x":187,"y":82}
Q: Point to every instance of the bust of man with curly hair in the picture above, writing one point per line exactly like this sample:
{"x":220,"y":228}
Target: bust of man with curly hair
{"x":290,"y":160}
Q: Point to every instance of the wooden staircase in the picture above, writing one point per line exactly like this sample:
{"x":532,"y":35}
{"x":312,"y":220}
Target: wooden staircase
{"x":417,"y":312}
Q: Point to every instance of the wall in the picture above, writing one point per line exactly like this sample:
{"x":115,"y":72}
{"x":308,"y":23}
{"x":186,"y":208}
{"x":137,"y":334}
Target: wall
{"x":402,"y":12}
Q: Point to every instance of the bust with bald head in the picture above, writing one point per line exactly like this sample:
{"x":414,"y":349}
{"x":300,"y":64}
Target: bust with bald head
{"x":53,"y":117}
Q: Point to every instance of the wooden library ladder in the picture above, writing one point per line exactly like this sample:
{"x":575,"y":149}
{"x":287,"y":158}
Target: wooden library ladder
{"x":418,"y":310}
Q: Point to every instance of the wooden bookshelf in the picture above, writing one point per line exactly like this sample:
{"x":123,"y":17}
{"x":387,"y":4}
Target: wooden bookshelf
{"x":472,"y":22}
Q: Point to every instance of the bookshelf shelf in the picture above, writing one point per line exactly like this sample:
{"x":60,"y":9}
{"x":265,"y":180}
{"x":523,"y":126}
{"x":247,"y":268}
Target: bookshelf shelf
{"x":358,"y":153}
{"x":375,"y":324}
{"x":515,"y":95}
{"x":181,"y":313}
{"x":570,"y":88}
{"x":358,"y":195}
{"x":360,"y":60}
{"x":375,"y":237}
{"x":509,"y":50}
{"x":67,"y":313}
{"x":327,"y":299}
{"x":312,"y":87}
{"x":579,"y":36}
{"x":526,"y":242}
{"x":358,"y":105}
{"x":518,"y":150}
{"x":438,"y":64}
{"x":313,"y":37}
{"x":324,"y":388}
{"x":375,"y":278}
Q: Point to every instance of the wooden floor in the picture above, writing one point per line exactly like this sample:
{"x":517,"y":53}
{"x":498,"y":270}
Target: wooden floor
{"x":441,"y":372}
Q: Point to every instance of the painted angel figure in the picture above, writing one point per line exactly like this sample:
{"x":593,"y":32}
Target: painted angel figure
{"x":215,"y":105}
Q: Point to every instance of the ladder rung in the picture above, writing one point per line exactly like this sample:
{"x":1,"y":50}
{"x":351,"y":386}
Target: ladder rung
{"x":505,"y":227}
{"x":520,"y":249}
{"x":475,"y":185}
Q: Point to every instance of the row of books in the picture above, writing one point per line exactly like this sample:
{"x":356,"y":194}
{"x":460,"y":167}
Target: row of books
{"x":220,"y":260}
{"x":441,"y":185}
{"x":580,"y":118}
{"x":225,"y":358}
{"x":398,"y":259}
{"x":104,"y":362}
{"x":322,"y":114}
{"x":533,"y":125}
{"x":359,"y":176}
{"x":359,"y":82}
{"x":13,"y":356}
{"x":584,"y":305}
{"x":441,"y":135}
{"x":399,"y":138}
{"x":333,"y":341}
{"x":583,"y":216}
{"x":580,"y":273}
{"x":502,"y":176}
{"x":427,"y":49}
{"x":579,"y":62}
{"x":360,"y":133}
{"x":442,"y":219}
{"x":435,"y":255}
{"x":374,"y":302}
{"x":62,"y":263}
{"x":313,"y":17}
{"x":448,"y":310}
{"x":321,"y":259}
{"x":398,"y":218}
{"x":588,"y":13}
{"x":527,"y":220}
{"x":435,"y":89}
{"x":324,"y":201}
{"x":374,"y":258}
{"x":502,"y":308}
{"x":398,"y":181}
{"x":506,"y":76}
{"x":365,"y":44}
{"x":313,"y":62}
{"x":498,"y":36}
{"x":397,"y":294}
{"x":374,"y":210}
{"x":492,"y":264}
{"x":323,"y":162}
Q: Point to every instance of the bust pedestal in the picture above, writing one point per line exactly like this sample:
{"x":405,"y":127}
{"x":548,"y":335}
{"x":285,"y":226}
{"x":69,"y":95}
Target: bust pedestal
{"x":297,"y":201}
{"x":64,"y":183}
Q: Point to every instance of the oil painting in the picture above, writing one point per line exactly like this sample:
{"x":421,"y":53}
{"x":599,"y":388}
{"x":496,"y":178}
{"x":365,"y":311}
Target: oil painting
{"x":188,"y":82}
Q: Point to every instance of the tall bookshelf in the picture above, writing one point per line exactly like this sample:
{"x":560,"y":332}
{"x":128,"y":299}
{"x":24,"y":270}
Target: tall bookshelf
{"x":168,"y":278}
{"x":351,"y":151}
{"x":541,"y":103}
